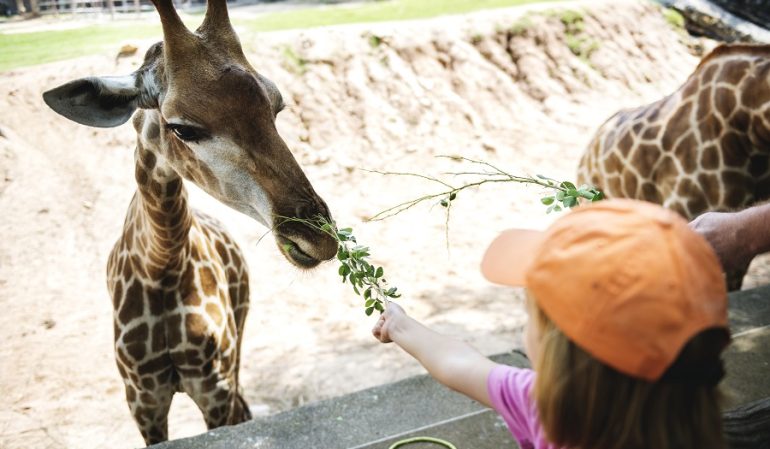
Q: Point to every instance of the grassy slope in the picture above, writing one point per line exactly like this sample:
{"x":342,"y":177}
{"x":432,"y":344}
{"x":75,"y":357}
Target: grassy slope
{"x":25,"y":49}
{"x":374,"y":12}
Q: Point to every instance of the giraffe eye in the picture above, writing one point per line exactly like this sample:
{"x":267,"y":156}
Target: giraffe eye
{"x":187,"y":133}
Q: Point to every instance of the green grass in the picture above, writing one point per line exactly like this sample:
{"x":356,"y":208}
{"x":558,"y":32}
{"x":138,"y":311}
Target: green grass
{"x":25,"y":49}
{"x":378,"y":11}
{"x":674,"y":18}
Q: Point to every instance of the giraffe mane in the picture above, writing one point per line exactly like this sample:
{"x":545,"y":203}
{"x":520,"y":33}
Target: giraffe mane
{"x":732,"y":49}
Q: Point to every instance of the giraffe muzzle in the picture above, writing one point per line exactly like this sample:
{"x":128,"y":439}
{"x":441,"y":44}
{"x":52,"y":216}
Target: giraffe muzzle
{"x":294,"y":253}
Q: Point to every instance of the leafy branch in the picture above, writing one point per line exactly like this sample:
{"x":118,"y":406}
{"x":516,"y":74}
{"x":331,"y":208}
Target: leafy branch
{"x":564,"y":194}
{"x":366,"y":278}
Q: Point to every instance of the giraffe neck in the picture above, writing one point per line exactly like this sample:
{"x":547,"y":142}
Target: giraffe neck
{"x":160,"y":213}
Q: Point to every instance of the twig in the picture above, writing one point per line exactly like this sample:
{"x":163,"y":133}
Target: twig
{"x":565,"y":195}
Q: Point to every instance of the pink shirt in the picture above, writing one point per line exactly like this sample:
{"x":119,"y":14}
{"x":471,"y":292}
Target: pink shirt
{"x":509,"y":390}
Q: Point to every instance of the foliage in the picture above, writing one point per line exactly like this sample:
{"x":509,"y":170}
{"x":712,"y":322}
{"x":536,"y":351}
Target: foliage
{"x":367,"y":279}
{"x":294,"y":62}
{"x":374,"y":40}
{"x":374,"y":12}
{"x":572,"y":20}
{"x":564,"y":192}
{"x":582,"y":46}
{"x":578,"y":43}
{"x":521,"y":25}
{"x":674,"y":18}
{"x":568,"y":195}
{"x":24,"y":49}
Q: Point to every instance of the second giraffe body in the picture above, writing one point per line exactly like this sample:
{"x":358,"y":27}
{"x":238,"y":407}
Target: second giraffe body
{"x":705,"y":147}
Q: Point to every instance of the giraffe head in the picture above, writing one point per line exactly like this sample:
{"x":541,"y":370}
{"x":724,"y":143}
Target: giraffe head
{"x":206,"y":114}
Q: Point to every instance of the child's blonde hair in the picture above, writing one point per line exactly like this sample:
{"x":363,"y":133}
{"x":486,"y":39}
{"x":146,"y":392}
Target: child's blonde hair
{"x":583,"y":403}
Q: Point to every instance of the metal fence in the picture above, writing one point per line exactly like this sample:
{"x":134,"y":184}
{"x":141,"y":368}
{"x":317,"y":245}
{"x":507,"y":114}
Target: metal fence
{"x":110,"y":7}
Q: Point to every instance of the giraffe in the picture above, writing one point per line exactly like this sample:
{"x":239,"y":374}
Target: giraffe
{"x":703,"y":148}
{"x":178,"y":282}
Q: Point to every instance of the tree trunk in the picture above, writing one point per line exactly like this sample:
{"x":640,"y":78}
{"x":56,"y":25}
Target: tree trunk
{"x":710,"y":19}
{"x":35,"y":7}
{"x":748,"y":427}
{"x":755,"y":11}
{"x":20,"y":7}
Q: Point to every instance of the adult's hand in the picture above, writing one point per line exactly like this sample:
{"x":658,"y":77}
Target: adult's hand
{"x":736,"y":236}
{"x":725,"y":232}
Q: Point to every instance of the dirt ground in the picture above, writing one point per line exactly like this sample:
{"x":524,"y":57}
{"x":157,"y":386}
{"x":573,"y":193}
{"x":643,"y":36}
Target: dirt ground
{"x":502,"y":86}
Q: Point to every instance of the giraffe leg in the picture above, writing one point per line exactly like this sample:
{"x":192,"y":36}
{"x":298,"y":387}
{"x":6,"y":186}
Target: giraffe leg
{"x":218,"y":400}
{"x":150,"y":411}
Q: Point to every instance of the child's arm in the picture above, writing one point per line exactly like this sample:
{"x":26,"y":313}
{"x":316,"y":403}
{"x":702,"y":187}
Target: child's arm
{"x":452,"y":362}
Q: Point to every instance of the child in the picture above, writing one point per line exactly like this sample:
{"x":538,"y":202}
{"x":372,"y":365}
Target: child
{"x":628,"y":318}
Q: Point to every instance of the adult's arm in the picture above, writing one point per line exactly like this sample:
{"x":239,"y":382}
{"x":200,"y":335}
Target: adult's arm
{"x":736,"y":236}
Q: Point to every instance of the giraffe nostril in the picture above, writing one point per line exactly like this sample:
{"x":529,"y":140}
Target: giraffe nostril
{"x":310,"y":211}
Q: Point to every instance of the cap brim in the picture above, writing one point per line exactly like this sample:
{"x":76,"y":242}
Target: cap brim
{"x":510,"y":255}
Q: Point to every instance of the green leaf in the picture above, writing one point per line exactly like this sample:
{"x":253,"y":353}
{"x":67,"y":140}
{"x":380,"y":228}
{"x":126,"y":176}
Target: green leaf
{"x":570,"y":201}
{"x":444,"y":203}
{"x":368,"y":293}
{"x":370,"y":303}
{"x":452,"y":196}
{"x":547,"y":200}
{"x":556,"y":208}
{"x":369,"y":311}
{"x":559,"y":196}
{"x":342,"y":253}
{"x":344,"y":270}
{"x":568,"y":185}
{"x":355,"y":289}
{"x":550,"y":208}
{"x":379,"y":307}
{"x":587,"y":194}
{"x":379,"y":272}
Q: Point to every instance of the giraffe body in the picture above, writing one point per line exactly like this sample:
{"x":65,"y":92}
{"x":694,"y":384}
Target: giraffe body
{"x":180,"y":292}
{"x":705,"y":147}
{"x":179,"y":283}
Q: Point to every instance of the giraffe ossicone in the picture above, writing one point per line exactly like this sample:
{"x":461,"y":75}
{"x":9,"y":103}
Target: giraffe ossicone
{"x":705,"y":147}
{"x":178,"y":282}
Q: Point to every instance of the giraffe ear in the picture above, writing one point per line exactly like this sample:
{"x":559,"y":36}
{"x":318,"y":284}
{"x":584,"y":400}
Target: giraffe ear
{"x":103,"y":102}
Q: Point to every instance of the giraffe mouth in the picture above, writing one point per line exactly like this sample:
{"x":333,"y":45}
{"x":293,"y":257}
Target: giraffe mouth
{"x":292,"y":251}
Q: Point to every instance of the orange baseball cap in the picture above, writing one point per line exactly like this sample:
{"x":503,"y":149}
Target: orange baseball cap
{"x":627,"y":281}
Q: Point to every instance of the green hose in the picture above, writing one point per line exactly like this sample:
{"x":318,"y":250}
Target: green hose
{"x":440,"y":442}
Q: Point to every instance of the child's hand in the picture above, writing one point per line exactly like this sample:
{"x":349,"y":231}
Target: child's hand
{"x":393,"y":313}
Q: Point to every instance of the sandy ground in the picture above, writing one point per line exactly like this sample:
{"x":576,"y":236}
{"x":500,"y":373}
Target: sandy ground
{"x":460,"y":85}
